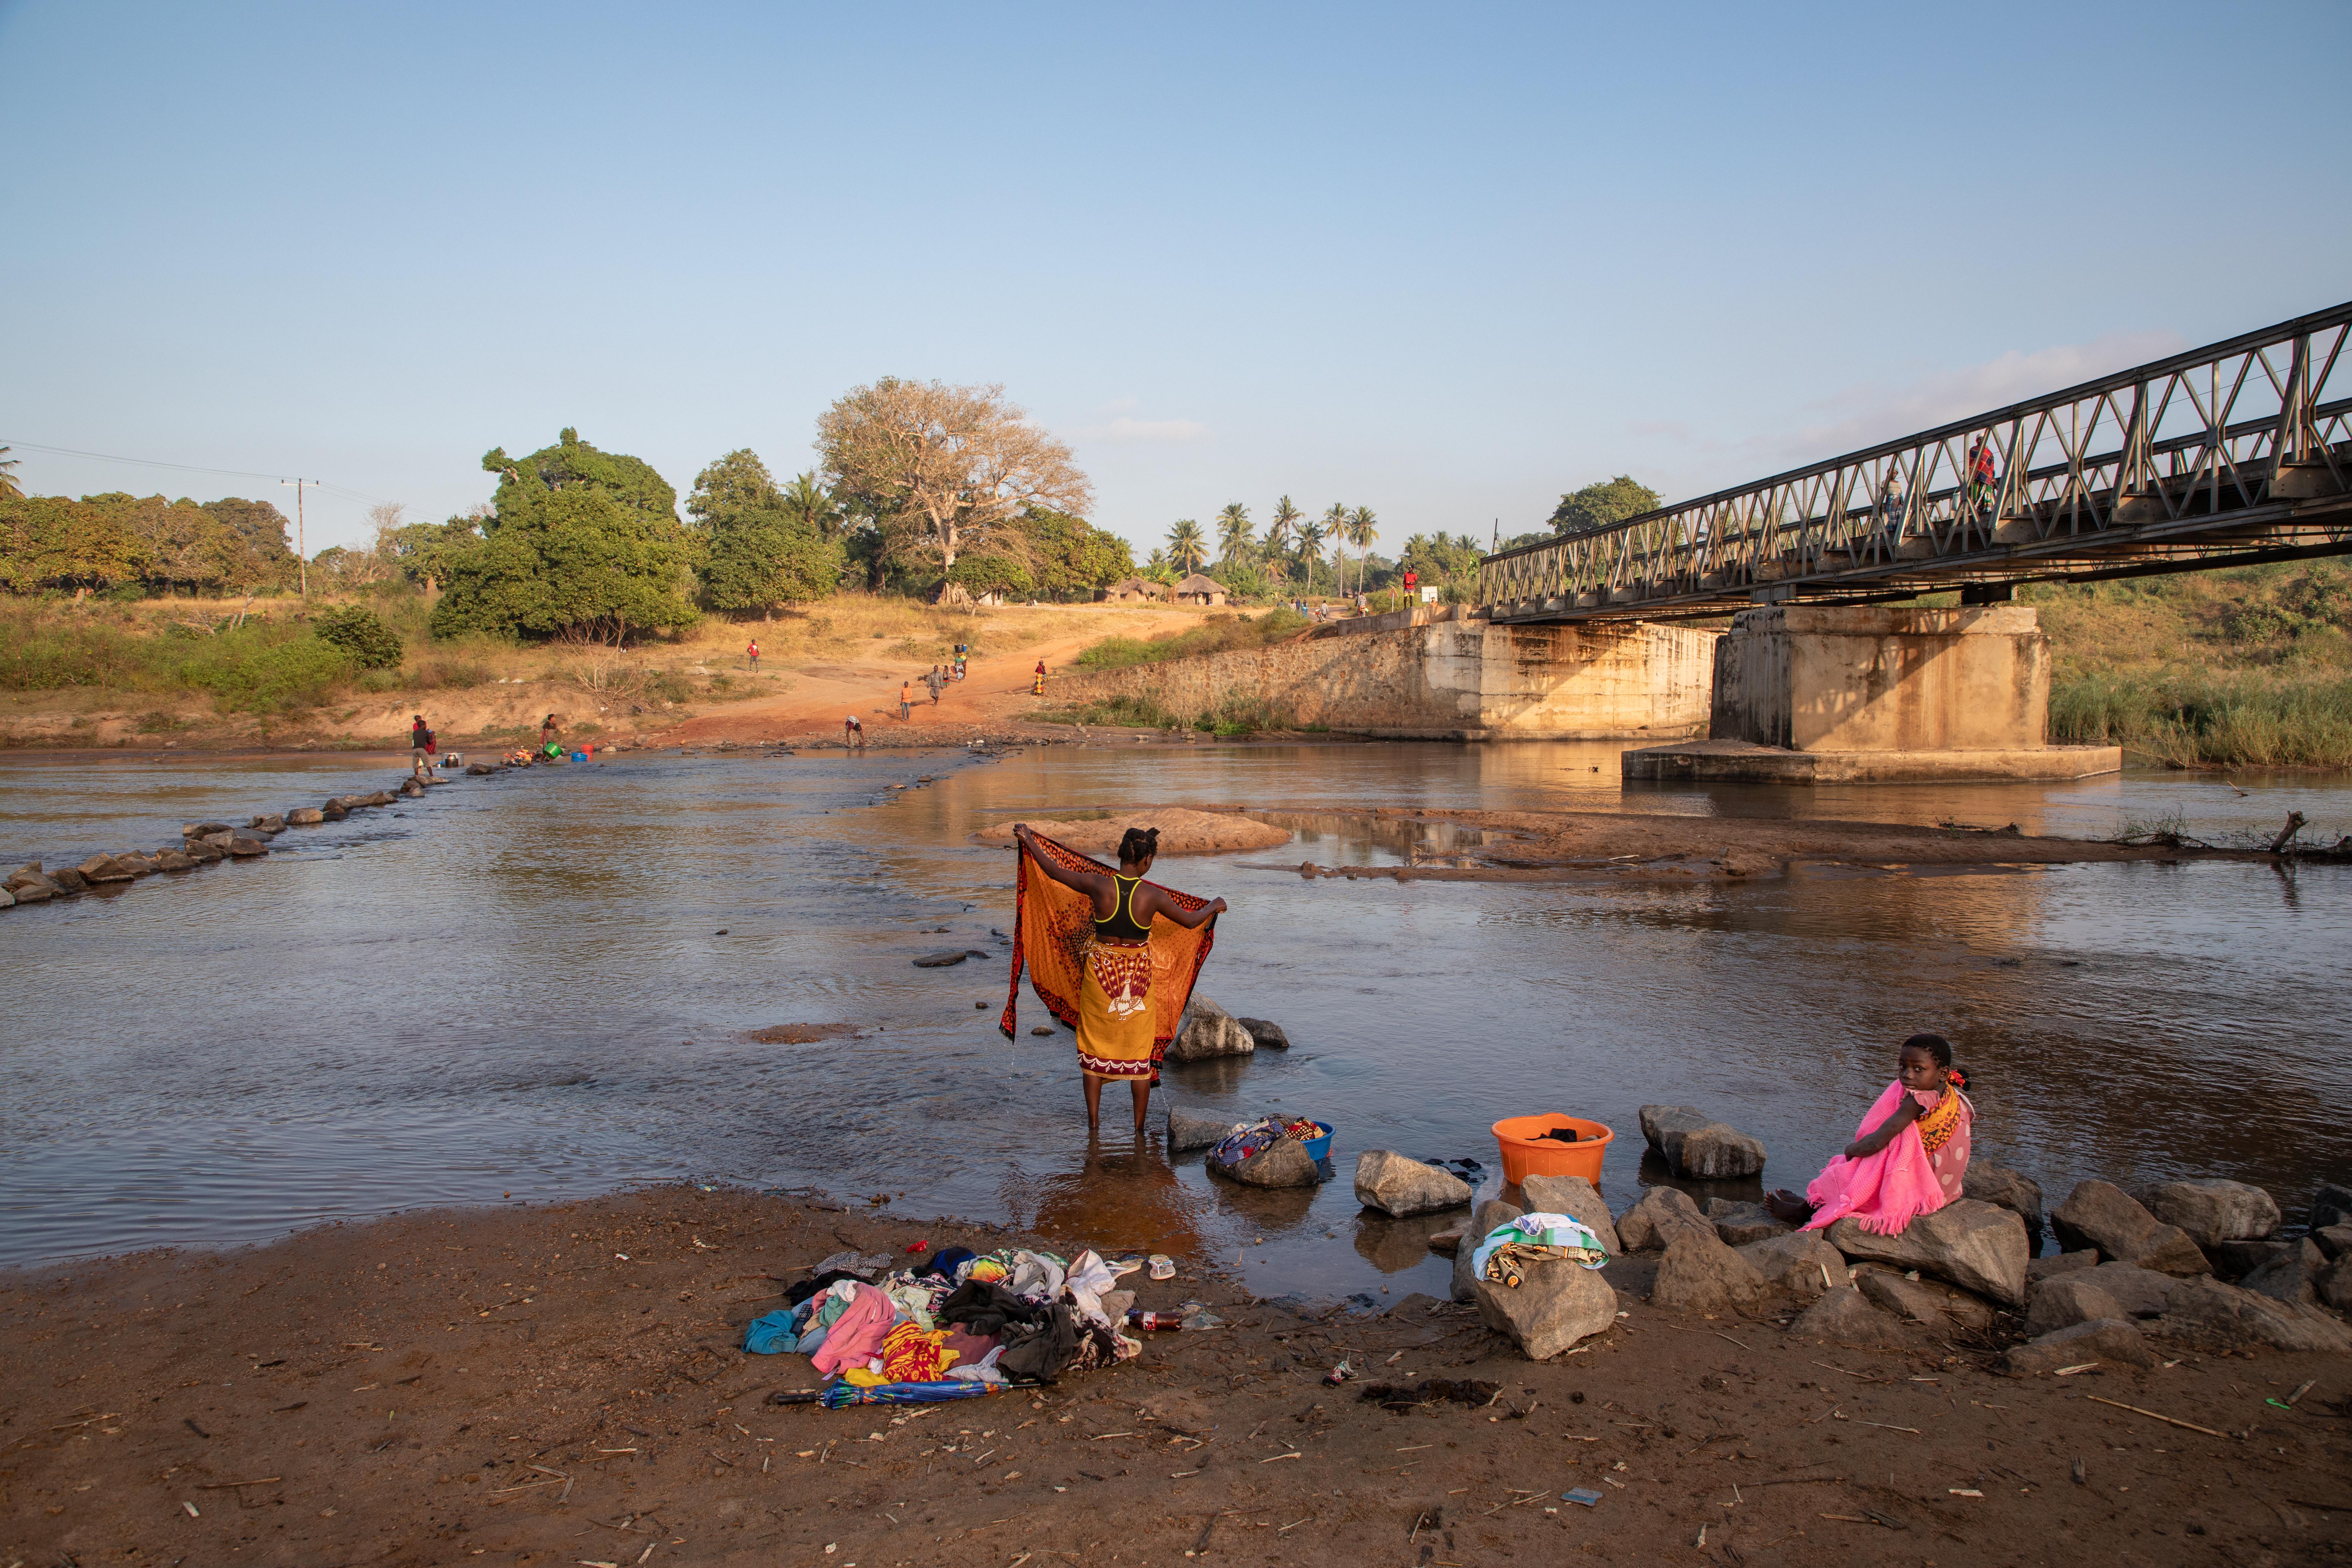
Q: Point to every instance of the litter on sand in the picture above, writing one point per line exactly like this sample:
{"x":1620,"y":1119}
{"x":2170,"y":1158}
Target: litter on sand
{"x":1584,"y":1495}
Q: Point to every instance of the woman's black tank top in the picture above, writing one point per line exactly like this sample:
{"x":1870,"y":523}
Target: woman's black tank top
{"x":1122,"y":925}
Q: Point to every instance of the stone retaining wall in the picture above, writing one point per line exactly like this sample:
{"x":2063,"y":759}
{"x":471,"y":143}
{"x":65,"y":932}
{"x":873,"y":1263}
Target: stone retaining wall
{"x":1455,"y":679}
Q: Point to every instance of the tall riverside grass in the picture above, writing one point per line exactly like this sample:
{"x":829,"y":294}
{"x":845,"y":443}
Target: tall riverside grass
{"x":2246,"y":717}
{"x":1218,"y":633}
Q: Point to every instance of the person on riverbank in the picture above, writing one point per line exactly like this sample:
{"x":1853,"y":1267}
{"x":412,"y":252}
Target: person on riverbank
{"x":420,"y":748}
{"x":936,"y":680}
{"x":1102,"y":973}
{"x":853,"y":733}
{"x":1909,"y":1156}
{"x":906,"y":700}
{"x":548,"y":729}
{"x":1037,"y":688}
{"x":752,"y":653}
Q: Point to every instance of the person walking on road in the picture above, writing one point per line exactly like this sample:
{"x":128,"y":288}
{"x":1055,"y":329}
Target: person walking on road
{"x":936,"y":679}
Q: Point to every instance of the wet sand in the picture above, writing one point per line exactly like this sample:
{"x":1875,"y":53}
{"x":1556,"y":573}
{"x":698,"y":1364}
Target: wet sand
{"x":444,"y":1386}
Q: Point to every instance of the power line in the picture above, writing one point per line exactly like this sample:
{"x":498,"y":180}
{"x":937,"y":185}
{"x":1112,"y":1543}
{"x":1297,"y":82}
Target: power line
{"x":184,"y":468}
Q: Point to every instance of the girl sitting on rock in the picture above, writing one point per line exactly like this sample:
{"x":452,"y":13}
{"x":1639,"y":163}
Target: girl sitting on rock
{"x":1908,"y":1156}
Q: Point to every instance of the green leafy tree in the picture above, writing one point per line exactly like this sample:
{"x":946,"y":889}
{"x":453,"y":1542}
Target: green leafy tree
{"x":55,"y":543}
{"x":1233,"y":533}
{"x":1598,"y":505}
{"x":10,"y":488}
{"x":1187,"y":551}
{"x":1283,"y":524}
{"x":1361,"y":528}
{"x":361,"y":633}
{"x":815,"y":506}
{"x":1310,"y":546}
{"x":759,"y":551}
{"x":1069,"y":557}
{"x":580,"y":543}
{"x":1157,"y":568}
{"x":424,"y":552}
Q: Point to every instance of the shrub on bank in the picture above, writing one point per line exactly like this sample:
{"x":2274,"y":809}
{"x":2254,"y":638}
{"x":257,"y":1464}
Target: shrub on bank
{"x":1218,"y":633}
{"x":2206,"y":719}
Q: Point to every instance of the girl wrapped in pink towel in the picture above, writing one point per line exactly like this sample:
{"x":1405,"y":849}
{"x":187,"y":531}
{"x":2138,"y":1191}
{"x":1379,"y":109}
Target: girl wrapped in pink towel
{"x":1908,"y":1156}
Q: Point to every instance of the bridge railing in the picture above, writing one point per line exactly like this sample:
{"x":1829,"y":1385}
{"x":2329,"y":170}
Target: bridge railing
{"x":2165,"y":448}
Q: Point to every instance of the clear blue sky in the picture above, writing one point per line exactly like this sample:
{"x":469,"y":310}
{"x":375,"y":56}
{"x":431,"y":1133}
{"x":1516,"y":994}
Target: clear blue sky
{"x":1445,"y":262}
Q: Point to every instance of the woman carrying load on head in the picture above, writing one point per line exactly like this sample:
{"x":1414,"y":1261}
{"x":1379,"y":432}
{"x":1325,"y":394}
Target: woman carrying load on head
{"x":1114,"y":957}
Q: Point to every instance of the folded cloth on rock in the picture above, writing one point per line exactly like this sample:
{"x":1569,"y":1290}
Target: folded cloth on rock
{"x":1538,"y":1237}
{"x":772,"y":1333}
{"x":855,"y":1336}
{"x":1254,"y":1139}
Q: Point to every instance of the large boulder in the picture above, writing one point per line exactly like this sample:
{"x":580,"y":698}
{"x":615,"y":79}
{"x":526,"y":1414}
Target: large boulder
{"x":2101,"y":1215}
{"x":305,"y":817}
{"x":1844,"y":1317}
{"x":2331,"y":1204}
{"x":1739,"y":1224}
{"x":104,"y":869}
{"x":2112,"y":1340}
{"x":1267,"y":1035}
{"x":412,"y":788}
{"x":2212,"y":1316}
{"x":478,"y":770}
{"x":32,"y":885}
{"x":1207,"y":1030}
{"x":174,"y":860}
{"x":2292,"y":1275}
{"x":2067,"y":1300}
{"x":1922,"y":1301}
{"x":1976,"y":1246}
{"x":2236,"y":1260}
{"x":1402,"y":1188}
{"x":1695,"y":1144}
{"x":2335,"y":1283}
{"x":1491,"y":1213}
{"x":2012,"y":1190}
{"x":1186,"y":1131}
{"x":1554,"y":1305}
{"x":2213,"y":1211}
{"x":269,"y":822}
{"x":334,"y":810}
{"x":2056,"y":1263}
{"x":69,"y":880}
{"x":1700,"y":1274}
{"x":2335,"y":1240}
{"x":2142,"y":1292}
{"x":202,"y":829}
{"x":1577,"y":1198}
{"x":1662,"y":1210}
{"x":1799,"y":1264}
{"x":1285,"y":1162}
{"x":244,"y":846}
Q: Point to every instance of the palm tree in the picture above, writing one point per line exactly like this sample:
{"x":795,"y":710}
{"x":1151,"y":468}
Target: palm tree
{"x":807,"y":498}
{"x":1233,"y":531}
{"x":1310,"y":545}
{"x":1278,"y":527}
{"x":8,"y":485}
{"x":1361,"y":529}
{"x":1187,"y":551}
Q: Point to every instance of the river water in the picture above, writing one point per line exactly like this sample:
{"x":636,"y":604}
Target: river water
{"x":516,"y":989}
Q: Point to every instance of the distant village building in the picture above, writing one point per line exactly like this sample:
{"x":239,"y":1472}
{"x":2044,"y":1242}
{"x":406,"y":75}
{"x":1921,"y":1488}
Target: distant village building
{"x":1199,"y":590}
{"x":1134,"y":591}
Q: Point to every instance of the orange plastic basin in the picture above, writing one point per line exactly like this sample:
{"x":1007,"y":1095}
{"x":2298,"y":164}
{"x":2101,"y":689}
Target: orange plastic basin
{"x":1526,"y":1153}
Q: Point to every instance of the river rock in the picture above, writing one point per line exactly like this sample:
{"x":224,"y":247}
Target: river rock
{"x":2144,"y":1292}
{"x":1799,"y":1263}
{"x":31,"y":885}
{"x":1284,"y":1163}
{"x":1976,"y":1246}
{"x":1922,"y":1301}
{"x":1695,"y":1144}
{"x":2236,"y":1260}
{"x":374,"y":797}
{"x":2334,"y":1284}
{"x":2012,"y":1190}
{"x":1186,"y":1131}
{"x":1268,"y":1035}
{"x":946,"y":957}
{"x":269,"y":822}
{"x":2101,"y":1215}
{"x":104,"y":869}
{"x":202,"y":829}
{"x":2067,"y":1300}
{"x":412,"y":789}
{"x":1491,"y":1213}
{"x":2210,"y":1315}
{"x":2115,"y":1340}
{"x":305,"y":817}
{"x":334,"y":810}
{"x":2331,"y":1204}
{"x":2056,"y":1264}
{"x":1554,"y":1305}
{"x":244,"y":846}
{"x":1739,"y":1224}
{"x":138,"y":862}
{"x":1577,"y":1198}
{"x":204,"y":851}
{"x":1207,"y":1030}
{"x":174,"y":860}
{"x":479,"y":769}
{"x":2335,"y":1240}
{"x":2290,"y":1276}
{"x":2213,"y":1211}
{"x":1844,"y":1317}
{"x":68,"y":881}
{"x":1402,"y":1188}
{"x":8,"y":898}
{"x":1663,"y":1210}
{"x":1700,"y":1274}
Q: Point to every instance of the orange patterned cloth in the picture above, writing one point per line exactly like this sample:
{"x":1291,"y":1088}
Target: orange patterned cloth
{"x":1124,"y":1001}
{"x":910,"y":1354}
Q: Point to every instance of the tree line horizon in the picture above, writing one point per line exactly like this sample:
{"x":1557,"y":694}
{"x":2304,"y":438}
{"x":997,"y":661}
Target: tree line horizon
{"x":921,"y":489}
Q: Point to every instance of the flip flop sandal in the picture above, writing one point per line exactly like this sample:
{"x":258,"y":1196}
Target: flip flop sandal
{"x":1162,"y":1265}
{"x":1123,"y":1266}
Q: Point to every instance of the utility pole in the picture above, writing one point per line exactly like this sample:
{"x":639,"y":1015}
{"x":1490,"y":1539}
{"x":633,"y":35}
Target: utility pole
{"x":301,"y":547}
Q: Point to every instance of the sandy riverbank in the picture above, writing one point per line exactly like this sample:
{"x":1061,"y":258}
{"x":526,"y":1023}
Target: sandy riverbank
{"x":505,"y":1385}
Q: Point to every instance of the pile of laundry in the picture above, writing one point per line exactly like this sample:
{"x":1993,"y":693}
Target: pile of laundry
{"x":952,"y":1327}
{"x":1510,"y":1247}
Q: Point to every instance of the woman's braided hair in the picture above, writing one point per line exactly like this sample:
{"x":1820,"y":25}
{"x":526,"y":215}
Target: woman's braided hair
{"x":1138,"y":845}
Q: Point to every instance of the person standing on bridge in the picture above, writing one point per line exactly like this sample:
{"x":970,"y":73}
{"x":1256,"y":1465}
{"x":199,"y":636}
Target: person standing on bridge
{"x":1984,"y":477}
{"x":1892,"y":501}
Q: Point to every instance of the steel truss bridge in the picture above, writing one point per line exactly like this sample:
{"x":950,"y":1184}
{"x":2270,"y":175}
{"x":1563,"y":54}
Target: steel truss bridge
{"x":2223,"y":455}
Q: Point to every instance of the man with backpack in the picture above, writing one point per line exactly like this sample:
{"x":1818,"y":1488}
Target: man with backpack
{"x":420,"y":748}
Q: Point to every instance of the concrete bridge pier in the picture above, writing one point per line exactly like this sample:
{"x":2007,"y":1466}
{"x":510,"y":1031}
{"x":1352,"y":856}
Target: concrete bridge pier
{"x":1826,"y":694}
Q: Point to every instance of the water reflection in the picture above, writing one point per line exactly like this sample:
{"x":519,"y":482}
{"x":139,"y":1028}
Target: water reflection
{"x":519,"y":985}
